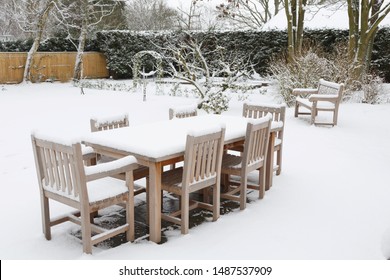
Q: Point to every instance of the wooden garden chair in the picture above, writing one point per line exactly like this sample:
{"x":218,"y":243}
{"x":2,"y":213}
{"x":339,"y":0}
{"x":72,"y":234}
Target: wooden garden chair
{"x":253,"y":157}
{"x":63,"y":177}
{"x":201,"y":170}
{"x":183,"y":112}
{"x":100,"y":124}
{"x":326,"y":97}
{"x":278,"y":113}
{"x":97,"y":124}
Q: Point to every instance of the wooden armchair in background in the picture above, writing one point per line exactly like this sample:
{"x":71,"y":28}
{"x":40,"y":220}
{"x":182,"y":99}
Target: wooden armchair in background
{"x":326,"y":97}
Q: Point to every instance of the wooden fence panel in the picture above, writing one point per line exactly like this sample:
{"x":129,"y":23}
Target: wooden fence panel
{"x":12,"y":67}
{"x":51,"y":66}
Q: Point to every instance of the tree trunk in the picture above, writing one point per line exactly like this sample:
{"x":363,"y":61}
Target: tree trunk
{"x":353,"y":16}
{"x":41,"y":22}
{"x":362,"y":35}
{"x":295,"y":14}
{"x":300,"y":21}
{"x":290,"y":34}
{"x":78,"y":67}
{"x":277,"y":6}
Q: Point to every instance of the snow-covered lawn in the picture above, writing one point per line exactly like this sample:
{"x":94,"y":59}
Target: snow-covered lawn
{"x":332,"y":200}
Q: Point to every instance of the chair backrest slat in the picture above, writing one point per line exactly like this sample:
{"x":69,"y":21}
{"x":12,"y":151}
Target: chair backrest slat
{"x":199,"y":154}
{"x":68,"y":177}
{"x":42,"y":169}
{"x":50,"y":166}
{"x":61,"y":171}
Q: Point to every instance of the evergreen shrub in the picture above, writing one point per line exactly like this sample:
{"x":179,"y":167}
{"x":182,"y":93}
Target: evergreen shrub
{"x":257,"y":46}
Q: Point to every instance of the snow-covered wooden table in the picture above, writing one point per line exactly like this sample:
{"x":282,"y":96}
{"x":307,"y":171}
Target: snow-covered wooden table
{"x":162,"y":143}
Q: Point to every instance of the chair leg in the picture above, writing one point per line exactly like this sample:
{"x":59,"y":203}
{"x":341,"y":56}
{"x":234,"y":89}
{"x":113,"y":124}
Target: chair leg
{"x":147,"y":200}
{"x":92,"y":216}
{"x":225,"y":182}
{"x":216,"y":201}
{"x":185,"y":204}
{"x":46,"y":217}
{"x":279,"y":161}
{"x":244,"y":182}
{"x":296,"y":109}
{"x":86,"y":231}
{"x":313,"y":115}
{"x":335,"y":113}
{"x":130,"y":235}
{"x":206,"y":195}
{"x":261,"y":182}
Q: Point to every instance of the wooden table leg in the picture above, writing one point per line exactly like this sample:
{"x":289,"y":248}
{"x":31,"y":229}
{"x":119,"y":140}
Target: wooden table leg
{"x":270,"y":161}
{"x":155,"y":202}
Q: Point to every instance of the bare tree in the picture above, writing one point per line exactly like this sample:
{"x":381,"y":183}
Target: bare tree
{"x":189,"y":18}
{"x":188,"y":62}
{"x":40,"y":23}
{"x":364,"y":19}
{"x":295,"y":14}
{"x":150,"y":15}
{"x":8,"y":24}
{"x":249,"y":13}
{"x":81,"y":18}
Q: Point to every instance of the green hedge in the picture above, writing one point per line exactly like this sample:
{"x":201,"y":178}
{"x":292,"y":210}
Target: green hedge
{"x":258,"y":46}
{"x":56,"y":44}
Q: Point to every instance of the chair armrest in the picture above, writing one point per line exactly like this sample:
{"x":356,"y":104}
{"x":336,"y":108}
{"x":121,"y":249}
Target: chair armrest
{"x":304,"y":91}
{"x":277,"y":125}
{"x":323,"y":97}
{"x":87,"y":152}
{"x":110,"y":168}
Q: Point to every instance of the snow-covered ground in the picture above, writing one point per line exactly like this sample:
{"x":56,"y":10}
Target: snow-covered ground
{"x":332,"y":200}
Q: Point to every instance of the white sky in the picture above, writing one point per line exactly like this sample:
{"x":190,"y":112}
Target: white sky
{"x":333,"y":17}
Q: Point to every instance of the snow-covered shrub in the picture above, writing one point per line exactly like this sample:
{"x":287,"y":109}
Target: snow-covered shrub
{"x":216,"y":102}
{"x":370,"y":91}
{"x":304,"y":72}
{"x":367,"y":91}
{"x":103,"y":85}
{"x":315,"y":64}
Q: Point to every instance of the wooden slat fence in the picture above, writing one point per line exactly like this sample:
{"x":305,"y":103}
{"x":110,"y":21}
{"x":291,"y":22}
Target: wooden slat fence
{"x":54,"y":66}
